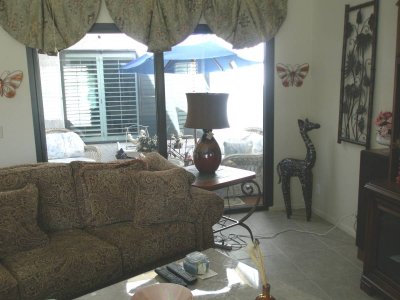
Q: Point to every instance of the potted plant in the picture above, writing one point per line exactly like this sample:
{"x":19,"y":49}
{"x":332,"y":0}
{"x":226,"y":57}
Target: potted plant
{"x":384,"y":127}
{"x":147,"y":143}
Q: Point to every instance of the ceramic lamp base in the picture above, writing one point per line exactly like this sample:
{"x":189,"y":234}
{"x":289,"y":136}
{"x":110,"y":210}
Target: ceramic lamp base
{"x":207,"y":154}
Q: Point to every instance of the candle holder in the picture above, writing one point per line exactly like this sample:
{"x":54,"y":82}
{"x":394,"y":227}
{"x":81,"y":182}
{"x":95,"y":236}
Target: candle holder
{"x":266,"y":295}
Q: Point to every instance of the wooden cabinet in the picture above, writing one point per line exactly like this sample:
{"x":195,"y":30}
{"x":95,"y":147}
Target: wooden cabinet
{"x":381,"y":271}
{"x":395,"y":137}
{"x":374,"y":164}
{"x":379,"y":235}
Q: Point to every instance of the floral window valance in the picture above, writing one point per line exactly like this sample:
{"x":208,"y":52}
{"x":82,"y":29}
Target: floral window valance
{"x":159,"y":24}
{"x":52,"y":25}
{"x":245,"y":23}
{"x":48,"y":25}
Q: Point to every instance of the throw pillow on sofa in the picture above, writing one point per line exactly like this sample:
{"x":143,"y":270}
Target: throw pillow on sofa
{"x":107,"y":190}
{"x":19,"y":230}
{"x":163,"y":196}
{"x":157,"y":162}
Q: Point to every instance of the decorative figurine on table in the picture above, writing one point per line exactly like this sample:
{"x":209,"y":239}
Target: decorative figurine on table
{"x":291,"y":167}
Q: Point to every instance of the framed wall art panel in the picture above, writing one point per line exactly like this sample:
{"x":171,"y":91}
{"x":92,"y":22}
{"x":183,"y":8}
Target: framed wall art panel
{"x":358,"y":73}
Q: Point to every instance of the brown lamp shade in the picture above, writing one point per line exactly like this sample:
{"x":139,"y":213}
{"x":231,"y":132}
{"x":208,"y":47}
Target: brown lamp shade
{"x":207,"y":110}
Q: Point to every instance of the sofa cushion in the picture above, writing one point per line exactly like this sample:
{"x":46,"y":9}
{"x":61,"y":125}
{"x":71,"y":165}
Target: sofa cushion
{"x":73,"y":263}
{"x":19,"y":230}
{"x":58,"y":208}
{"x":107,"y":190}
{"x":143,"y":246}
{"x":8,"y":285}
{"x":163,"y":196}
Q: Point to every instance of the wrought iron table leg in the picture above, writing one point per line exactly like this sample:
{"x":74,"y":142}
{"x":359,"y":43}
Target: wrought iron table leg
{"x":248,"y":190}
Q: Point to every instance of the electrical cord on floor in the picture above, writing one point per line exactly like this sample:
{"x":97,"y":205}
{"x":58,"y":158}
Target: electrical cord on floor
{"x":237,"y":239}
{"x":234,"y":241}
{"x":305,"y":231}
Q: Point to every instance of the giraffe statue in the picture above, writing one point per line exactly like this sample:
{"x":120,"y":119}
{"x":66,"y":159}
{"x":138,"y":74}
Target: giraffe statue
{"x":291,"y":167}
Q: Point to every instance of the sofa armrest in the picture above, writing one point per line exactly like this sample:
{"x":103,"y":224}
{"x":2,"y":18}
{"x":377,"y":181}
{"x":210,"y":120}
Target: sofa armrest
{"x":8,"y":285}
{"x":207,"y":210}
{"x":92,"y":152}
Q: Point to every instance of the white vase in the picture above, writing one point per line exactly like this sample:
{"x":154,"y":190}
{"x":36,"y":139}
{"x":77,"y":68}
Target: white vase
{"x":383,"y":140}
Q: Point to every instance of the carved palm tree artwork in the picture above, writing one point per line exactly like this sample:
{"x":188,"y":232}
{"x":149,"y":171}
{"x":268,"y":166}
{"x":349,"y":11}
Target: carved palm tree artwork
{"x":358,"y":60}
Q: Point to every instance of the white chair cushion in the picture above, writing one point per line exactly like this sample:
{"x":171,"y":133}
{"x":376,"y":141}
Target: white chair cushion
{"x":55,"y":146}
{"x":69,"y":159}
{"x":64,"y":145}
{"x":238,"y":147}
{"x":257,"y":141}
{"x":74,"y":146}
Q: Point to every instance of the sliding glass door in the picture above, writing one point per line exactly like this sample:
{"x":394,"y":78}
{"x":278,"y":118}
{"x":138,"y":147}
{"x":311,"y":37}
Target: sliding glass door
{"x":89,"y":89}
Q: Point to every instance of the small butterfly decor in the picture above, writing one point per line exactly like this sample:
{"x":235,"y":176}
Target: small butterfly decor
{"x":292,"y":75}
{"x":9,"y":82}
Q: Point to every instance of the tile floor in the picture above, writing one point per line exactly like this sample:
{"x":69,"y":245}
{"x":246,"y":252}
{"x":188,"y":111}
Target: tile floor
{"x":300,"y":265}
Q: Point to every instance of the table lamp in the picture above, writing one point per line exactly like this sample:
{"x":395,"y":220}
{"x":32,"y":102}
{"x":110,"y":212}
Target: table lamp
{"x":207,"y":111}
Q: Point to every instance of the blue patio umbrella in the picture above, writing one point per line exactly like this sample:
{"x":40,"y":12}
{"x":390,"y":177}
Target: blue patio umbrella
{"x":209,"y":57}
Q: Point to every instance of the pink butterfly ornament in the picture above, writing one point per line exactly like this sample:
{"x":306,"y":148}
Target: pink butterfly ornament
{"x":292,"y":75}
{"x":9,"y":82}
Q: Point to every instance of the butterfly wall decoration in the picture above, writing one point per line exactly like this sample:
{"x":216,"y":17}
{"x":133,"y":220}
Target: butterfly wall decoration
{"x":9,"y":82}
{"x":292,"y":75}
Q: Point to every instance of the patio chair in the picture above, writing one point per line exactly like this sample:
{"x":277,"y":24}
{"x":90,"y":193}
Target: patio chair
{"x":246,"y":153}
{"x":64,"y":146}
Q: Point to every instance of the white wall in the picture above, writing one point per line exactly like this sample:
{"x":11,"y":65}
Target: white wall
{"x":336,"y":172}
{"x":292,"y":46}
{"x":312,"y":33}
{"x":17,"y":145}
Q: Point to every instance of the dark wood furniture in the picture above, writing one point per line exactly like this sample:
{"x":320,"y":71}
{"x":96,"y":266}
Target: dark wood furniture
{"x":381,"y":245}
{"x":395,"y":137}
{"x":374,"y":164}
{"x":381,"y":270}
{"x":225,"y":177}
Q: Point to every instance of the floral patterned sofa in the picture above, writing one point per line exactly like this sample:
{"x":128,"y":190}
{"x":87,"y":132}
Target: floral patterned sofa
{"x":68,"y":229}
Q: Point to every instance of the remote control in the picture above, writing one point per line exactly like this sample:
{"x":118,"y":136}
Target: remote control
{"x":169,"y":276}
{"x":178,"y":270}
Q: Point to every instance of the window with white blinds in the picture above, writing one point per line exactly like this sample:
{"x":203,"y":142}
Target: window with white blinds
{"x":100,"y":99}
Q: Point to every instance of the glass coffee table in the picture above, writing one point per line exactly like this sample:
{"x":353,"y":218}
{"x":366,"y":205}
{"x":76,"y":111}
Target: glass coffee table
{"x":234,"y":280}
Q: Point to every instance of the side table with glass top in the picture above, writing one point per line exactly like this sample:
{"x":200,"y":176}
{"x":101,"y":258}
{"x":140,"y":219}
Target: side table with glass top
{"x":225,"y":177}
